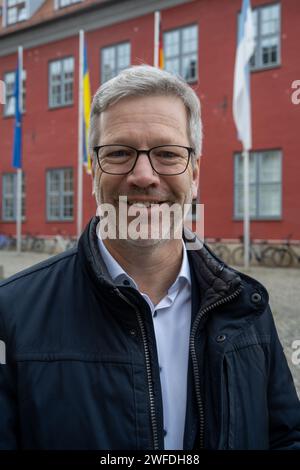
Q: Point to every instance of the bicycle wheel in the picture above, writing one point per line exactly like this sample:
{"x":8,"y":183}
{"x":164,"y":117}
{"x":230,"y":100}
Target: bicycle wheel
{"x":282,"y":257}
{"x":237,"y":256}
{"x":267,"y":256}
{"x":38,"y":245}
{"x":223,"y":252}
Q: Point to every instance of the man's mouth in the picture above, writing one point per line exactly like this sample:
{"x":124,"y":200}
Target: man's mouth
{"x":147,"y":204}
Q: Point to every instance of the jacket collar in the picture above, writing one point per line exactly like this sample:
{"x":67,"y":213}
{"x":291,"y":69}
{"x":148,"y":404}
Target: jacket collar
{"x":216,"y":280}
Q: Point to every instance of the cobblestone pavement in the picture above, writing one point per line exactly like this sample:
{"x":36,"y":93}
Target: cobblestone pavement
{"x":283,"y":286}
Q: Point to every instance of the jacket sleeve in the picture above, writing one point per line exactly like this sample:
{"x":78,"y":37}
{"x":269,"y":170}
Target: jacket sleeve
{"x":284,"y":405}
{"x":8,"y":400}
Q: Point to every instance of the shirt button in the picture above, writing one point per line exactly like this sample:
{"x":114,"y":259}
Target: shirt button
{"x":165,"y":432}
{"x":160,"y":368}
{"x":126,"y":282}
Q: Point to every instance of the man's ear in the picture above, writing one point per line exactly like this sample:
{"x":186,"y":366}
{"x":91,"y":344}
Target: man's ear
{"x":195,"y":182}
{"x":93,"y":175}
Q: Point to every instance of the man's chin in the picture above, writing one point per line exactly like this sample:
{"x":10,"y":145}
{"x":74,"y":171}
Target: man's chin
{"x":142,"y":243}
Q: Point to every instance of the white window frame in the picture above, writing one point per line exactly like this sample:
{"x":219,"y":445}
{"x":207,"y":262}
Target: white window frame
{"x":257,"y":184}
{"x":256,"y":62}
{"x":10,"y":5}
{"x":12,"y":196}
{"x":58,"y":4}
{"x":62,"y":82}
{"x":181,"y":56}
{"x":114,"y":48}
{"x":61,"y":193}
{"x":9,"y":94}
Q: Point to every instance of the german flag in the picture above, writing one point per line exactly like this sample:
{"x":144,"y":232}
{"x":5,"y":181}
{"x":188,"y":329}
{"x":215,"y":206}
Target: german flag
{"x":160,"y":46}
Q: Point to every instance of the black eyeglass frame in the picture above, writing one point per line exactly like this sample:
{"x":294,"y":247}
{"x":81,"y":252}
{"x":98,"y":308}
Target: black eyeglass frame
{"x":147,"y":152}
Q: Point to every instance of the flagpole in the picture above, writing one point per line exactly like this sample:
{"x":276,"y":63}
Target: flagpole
{"x":19,"y":170}
{"x":246,"y":210}
{"x":242,"y":106}
{"x":80,"y":136}
{"x":156,"y":38}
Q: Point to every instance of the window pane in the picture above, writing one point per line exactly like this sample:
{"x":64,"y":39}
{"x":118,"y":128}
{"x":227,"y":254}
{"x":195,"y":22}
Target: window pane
{"x":108,"y":55}
{"x":189,"y":67}
{"x":123,"y":56}
{"x":189,"y":39}
{"x":255,"y":21}
{"x":240,"y":169}
{"x":60,"y":197}
{"x":172,"y":66}
{"x":171,"y":44}
{"x":9,"y":191}
{"x":55,"y":69}
{"x":269,"y":48}
{"x":54,"y":181}
{"x":269,"y":200}
{"x":240,"y":200}
{"x":114,"y":59}
{"x":61,"y":82}
{"x":108,"y":63}
{"x":270,"y":167}
{"x":270,"y":20}
{"x":267,"y":28}
{"x":69,"y":66}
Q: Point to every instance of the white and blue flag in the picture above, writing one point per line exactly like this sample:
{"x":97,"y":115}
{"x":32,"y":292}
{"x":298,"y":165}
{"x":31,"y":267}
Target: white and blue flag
{"x":241,"y":88}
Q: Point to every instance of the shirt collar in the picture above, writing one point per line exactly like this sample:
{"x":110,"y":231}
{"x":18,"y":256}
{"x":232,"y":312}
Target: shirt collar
{"x":118,"y":274}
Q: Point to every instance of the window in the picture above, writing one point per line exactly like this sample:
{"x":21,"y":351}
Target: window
{"x":65,"y":3}
{"x":114,"y":59}
{"x":9,"y":79}
{"x":265,"y":185}
{"x":16,"y":11}
{"x":181,"y":52}
{"x":61,"y":82}
{"x":267,"y":37}
{"x":9,"y":196}
{"x":60,"y":194}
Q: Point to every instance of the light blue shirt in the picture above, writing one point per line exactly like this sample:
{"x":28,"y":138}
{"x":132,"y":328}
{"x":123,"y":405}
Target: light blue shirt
{"x":172,"y":322}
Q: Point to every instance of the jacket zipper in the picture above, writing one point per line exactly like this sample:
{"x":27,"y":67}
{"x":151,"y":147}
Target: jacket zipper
{"x":199,"y":317}
{"x":148,"y":371}
{"x":196,"y":323}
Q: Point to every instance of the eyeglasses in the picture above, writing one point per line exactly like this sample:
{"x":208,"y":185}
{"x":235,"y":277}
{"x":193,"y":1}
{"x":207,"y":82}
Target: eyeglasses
{"x":165,"y":159}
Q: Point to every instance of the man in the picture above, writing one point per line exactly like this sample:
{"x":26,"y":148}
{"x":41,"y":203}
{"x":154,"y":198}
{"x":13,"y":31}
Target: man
{"x":131,"y":342}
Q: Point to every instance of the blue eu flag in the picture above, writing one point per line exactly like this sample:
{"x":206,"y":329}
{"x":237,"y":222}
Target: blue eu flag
{"x":17,"y":150}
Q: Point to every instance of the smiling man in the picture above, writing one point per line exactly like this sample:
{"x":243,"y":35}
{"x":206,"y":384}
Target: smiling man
{"x":131,"y":342}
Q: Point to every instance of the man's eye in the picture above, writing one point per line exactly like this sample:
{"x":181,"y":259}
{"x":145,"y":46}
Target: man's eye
{"x":166,"y":155}
{"x":119,"y":153}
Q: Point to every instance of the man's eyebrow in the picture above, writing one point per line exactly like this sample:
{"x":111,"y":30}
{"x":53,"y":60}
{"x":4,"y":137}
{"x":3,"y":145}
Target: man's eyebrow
{"x":131,"y":141}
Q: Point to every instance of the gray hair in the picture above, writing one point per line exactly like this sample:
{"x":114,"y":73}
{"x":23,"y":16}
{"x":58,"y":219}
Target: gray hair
{"x":145,"y":80}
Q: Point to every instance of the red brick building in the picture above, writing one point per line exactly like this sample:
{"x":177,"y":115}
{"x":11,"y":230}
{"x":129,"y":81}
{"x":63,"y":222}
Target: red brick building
{"x":200,"y":44}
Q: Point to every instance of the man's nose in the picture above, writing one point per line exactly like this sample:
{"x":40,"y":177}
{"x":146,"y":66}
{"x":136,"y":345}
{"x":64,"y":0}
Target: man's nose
{"x":143,"y":174}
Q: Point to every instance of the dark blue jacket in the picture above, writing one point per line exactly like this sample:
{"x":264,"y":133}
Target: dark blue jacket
{"x":82,"y":371}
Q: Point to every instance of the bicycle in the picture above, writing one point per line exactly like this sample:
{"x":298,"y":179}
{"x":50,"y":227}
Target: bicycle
{"x":285,"y":255}
{"x":221,"y":250}
{"x":262,"y":253}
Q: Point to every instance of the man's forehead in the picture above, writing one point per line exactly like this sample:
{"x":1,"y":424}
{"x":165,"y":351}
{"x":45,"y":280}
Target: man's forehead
{"x":167,"y":110}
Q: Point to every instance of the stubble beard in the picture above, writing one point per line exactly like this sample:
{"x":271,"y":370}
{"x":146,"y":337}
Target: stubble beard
{"x":175,"y":226}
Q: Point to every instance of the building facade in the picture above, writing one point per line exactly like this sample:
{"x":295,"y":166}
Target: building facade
{"x":199,"y":38}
